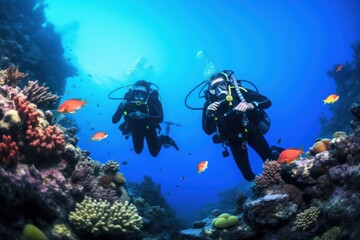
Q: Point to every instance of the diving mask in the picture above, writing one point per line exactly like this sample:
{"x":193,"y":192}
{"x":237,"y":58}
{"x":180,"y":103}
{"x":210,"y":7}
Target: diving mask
{"x":218,"y":87}
{"x":140,"y":93}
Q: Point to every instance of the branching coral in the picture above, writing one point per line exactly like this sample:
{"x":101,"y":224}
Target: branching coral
{"x":27,"y":111}
{"x":11,"y":76}
{"x":306,"y":218}
{"x":270,"y":176}
{"x":39,"y":95}
{"x":47,"y":140}
{"x":100,"y":217}
{"x":9,"y":151}
{"x":331,"y":234}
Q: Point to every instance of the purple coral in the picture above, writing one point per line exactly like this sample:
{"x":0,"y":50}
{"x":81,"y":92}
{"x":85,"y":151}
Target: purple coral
{"x":270,"y":176}
{"x":39,"y":95}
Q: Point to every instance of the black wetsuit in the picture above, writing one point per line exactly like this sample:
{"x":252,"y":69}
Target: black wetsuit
{"x":231,"y":129}
{"x":141,"y":128}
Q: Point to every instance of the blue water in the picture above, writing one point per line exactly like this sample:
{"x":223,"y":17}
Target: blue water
{"x":284,"y":47}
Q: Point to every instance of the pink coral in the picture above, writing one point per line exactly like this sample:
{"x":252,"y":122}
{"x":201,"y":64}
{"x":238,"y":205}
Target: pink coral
{"x":47,"y":140}
{"x":270,"y":176}
{"x":9,"y":151}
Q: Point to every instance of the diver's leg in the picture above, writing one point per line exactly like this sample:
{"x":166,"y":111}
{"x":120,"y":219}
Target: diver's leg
{"x":242,"y":159}
{"x":138,"y":141}
{"x":260,"y":145}
{"x":152,"y":141}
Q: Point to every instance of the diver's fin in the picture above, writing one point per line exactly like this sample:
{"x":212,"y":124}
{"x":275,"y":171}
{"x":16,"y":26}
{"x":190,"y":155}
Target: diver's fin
{"x":57,"y":116}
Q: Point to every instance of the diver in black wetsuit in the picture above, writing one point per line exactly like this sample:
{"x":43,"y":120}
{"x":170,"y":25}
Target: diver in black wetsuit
{"x":142,"y":111}
{"x":235,"y":113}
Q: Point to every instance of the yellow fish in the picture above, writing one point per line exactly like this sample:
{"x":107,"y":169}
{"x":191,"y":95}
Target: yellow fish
{"x":331,"y":99}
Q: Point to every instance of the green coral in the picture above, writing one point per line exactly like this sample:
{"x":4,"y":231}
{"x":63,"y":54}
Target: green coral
{"x":31,"y":232}
{"x":62,"y":231}
{"x":225,"y":220}
{"x":101,"y":217}
{"x":119,"y":179}
{"x":331,"y":234}
{"x":306,"y":218}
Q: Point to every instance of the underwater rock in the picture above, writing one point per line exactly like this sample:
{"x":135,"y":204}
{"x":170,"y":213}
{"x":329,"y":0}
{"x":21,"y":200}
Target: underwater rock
{"x":192,"y":234}
{"x":270,"y":210}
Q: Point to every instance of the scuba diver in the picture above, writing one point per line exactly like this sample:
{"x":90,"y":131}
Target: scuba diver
{"x":143,"y":113}
{"x":236,"y":115}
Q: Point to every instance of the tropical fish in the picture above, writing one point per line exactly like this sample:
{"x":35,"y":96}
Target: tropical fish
{"x":124,"y":163}
{"x":71,"y":105}
{"x":338,"y":68}
{"x":290,"y":155}
{"x":331,"y":99}
{"x":182,"y":177}
{"x":202,"y":166}
{"x":98,"y":136}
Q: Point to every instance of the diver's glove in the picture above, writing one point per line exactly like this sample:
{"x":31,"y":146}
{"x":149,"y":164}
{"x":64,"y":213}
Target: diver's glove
{"x":137,"y":115}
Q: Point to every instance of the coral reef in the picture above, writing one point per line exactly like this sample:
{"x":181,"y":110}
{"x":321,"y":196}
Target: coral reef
{"x":270,"y":176}
{"x":28,"y":43}
{"x":111,"y":167}
{"x":39,"y":95}
{"x":44,"y":174}
{"x":320,"y":146}
{"x":225,"y":220}
{"x":312,"y":198}
{"x":306,"y":218}
{"x":99,"y":217}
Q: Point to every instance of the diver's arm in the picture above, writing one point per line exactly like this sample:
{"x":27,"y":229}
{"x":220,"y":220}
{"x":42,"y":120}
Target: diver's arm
{"x":259,"y":101}
{"x":119,"y":112}
{"x":208,"y":122}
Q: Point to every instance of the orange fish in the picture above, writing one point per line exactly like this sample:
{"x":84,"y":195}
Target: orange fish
{"x":331,"y":99}
{"x":202,"y":166}
{"x":290,"y":155}
{"x":339,"y":67}
{"x":99,"y":136}
{"x":71,"y":105}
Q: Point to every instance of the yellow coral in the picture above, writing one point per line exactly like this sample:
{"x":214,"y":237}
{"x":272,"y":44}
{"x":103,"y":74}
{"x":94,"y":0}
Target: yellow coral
{"x":306,"y":218}
{"x":62,"y":231}
{"x":10,"y":120}
{"x":331,"y":234}
{"x":101,"y":217}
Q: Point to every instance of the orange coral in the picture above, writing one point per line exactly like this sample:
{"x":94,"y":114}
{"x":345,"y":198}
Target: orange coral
{"x":320,"y":146}
{"x":45,"y":141}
